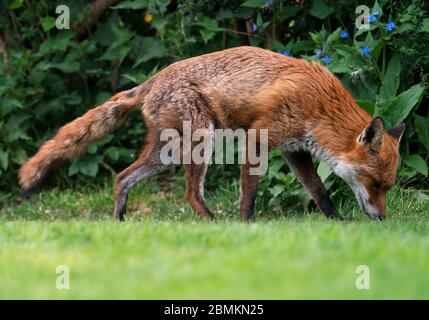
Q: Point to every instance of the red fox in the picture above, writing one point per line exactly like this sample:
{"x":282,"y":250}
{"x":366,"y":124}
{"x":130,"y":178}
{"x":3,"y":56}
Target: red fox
{"x":303,"y":105}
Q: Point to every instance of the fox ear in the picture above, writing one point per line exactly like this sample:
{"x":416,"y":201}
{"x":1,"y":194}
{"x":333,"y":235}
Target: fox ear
{"x":372,"y":135}
{"x":397,"y":132}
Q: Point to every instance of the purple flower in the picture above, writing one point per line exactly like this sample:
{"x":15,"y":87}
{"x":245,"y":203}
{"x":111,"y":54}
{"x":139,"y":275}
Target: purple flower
{"x":326,"y":59}
{"x":254,"y":27}
{"x":285,"y":53}
{"x":344,"y":35}
{"x":365,"y":51}
{"x":390,"y":26}
{"x":372,"y":18}
{"x":318,"y":52}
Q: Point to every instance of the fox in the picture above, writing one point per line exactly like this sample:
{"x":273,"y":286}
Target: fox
{"x":305,"y":108}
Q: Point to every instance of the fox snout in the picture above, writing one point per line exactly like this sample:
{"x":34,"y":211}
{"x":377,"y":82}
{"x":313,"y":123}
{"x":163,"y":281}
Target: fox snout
{"x":376,"y":216}
{"x":373,"y":213}
{"x":370,"y":209}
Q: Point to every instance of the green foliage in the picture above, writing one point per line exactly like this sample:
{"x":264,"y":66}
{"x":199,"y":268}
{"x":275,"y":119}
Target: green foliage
{"x":52,"y":76}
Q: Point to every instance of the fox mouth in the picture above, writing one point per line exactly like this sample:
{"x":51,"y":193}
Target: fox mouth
{"x":364,"y":208}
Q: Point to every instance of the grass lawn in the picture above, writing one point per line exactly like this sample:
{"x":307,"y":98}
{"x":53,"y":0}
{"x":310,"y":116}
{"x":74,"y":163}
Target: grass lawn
{"x":163,"y":251}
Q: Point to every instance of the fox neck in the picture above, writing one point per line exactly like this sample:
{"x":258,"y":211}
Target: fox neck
{"x":336,"y":130}
{"x":330,"y":137}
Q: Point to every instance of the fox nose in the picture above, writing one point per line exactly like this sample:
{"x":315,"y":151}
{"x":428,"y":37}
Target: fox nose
{"x":376,"y":216}
{"x":381,"y":217}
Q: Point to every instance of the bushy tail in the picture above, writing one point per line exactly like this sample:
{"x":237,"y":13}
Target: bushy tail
{"x":73,"y":138}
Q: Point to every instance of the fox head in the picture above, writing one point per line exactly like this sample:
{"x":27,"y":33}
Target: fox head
{"x":370,"y":167}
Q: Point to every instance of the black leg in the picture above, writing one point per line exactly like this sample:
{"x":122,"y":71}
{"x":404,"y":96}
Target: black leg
{"x":302,"y":165}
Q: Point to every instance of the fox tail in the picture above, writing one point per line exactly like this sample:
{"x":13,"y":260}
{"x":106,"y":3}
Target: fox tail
{"x":73,"y":138}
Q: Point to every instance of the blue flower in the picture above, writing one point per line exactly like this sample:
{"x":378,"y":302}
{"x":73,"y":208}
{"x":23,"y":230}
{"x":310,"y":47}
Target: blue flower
{"x":268,"y":3}
{"x":365,"y":51}
{"x":344,"y":35}
{"x":285,"y":53}
{"x":326,"y":59}
{"x":390,"y":26}
{"x":372,"y":18}
{"x":318,"y":52}
{"x":254,"y":27}
{"x":376,"y":14}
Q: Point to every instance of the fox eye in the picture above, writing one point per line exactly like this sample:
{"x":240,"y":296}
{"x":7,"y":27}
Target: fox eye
{"x":376,"y":184}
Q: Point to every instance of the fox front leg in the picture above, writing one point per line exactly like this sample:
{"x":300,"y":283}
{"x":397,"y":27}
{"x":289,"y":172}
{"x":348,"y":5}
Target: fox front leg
{"x":302,"y":166}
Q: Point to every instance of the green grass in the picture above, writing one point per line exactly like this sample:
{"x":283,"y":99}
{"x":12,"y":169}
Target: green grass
{"x":164,"y":251}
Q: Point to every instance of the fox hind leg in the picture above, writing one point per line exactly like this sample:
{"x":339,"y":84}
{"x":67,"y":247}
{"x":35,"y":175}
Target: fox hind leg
{"x":147,"y":164}
{"x":195,"y":171}
{"x":194,"y":190}
{"x":248,"y":189}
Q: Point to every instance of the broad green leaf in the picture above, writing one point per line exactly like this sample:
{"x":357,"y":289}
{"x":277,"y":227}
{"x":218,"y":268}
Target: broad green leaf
{"x":395,"y":111}
{"x":112,"y":153}
{"x":92,"y":149}
{"x":345,"y":50}
{"x":148,"y":48}
{"x":67,"y":67}
{"x":116,"y":52}
{"x":320,"y":9}
{"x":415,"y":161}
{"x":422,"y":129}
{"x":390,"y":82}
{"x":317,"y":38}
{"x":73,"y":168}
{"x":57,"y":43}
{"x":132,"y":5}
{"x":406,"y":27}
{"x":19,"y":156}
{"x":331,"y":39}
{"x":301,"y":45}
{"x":207,"y":35}
{"x":120,"y":45}
{"x":87,"y":164}
{"x":104,"y":34}
{"x":16,"y":4}
{"x":212,"y":25}
{"x":17,"y":135}
{"x":259,"y":20}
{"x":91,"y":166}
{"x":407,"y":172}
{"x":47,"y":23}
{"x":367,"y":105}
{"x":277,"y":190}
{"x":9,"y":105}
{"x":340,"y":66}
{"x":15,"y":121}
{"x":288,"y":12}
{"x":253,"y":3}
{"x":324,"y":171}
